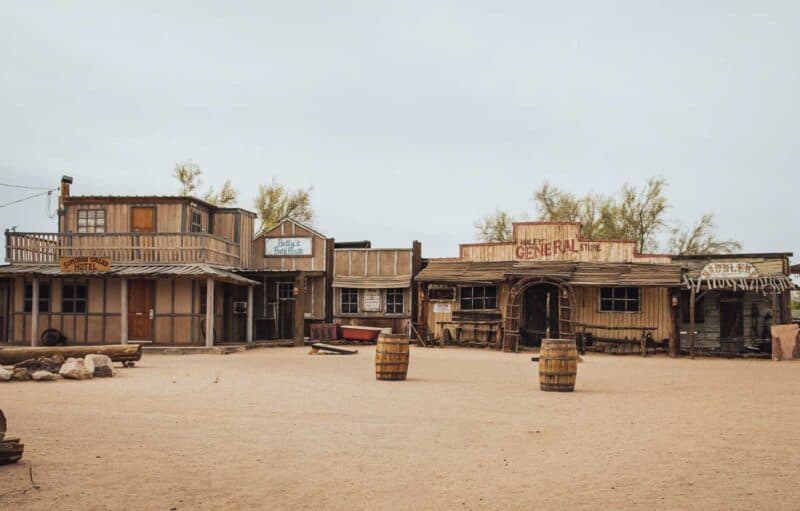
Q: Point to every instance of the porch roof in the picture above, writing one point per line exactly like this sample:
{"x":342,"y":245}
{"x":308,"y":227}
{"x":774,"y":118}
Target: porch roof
{"x":372,"y":282}
{"x":195,"y":271}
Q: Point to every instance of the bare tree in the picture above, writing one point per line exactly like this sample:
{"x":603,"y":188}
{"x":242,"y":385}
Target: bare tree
{"x":557,"y":205}
{"x":188,"y":173}
{"x":275,"y":202}
{"x":700,"y":239}
{"x":639,"y":214}
{"x":226,"y":196}
{"x":495,"y":227}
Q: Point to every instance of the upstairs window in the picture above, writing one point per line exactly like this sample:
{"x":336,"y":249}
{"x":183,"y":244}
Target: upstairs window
{"x":478,"y":297}
{"x":91,"y":220}
{"x":74,"y":297}
{"x":619,"y":299}
{"x":394,"y":301}
{"x":44,"y":298}
{"x":196,"y":221}
{"x":349,"y":301}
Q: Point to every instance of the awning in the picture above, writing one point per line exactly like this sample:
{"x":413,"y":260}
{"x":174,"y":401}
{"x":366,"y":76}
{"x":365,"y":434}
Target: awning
{"x":196,"y":271}
{"x":373,"y":282}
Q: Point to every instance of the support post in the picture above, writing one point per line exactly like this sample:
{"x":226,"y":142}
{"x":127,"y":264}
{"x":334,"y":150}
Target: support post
{"x":299,"y":308}
{"x":209,"y":312}
{"x":692,"y":326}
{"x":249,"y":313}
{"x":35,"y":312}
{"x":675,"y":335}
{"x":123,"y":311}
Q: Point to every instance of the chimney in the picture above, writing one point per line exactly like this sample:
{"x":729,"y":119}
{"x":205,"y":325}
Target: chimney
{"x":65,"y":182}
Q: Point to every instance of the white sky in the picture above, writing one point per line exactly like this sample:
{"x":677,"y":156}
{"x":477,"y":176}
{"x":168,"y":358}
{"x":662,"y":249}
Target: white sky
{"x":410,"y":119}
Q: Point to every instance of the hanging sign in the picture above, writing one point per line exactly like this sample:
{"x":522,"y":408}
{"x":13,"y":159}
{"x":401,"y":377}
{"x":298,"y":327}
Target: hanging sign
{"x":732,"y":270}
{"x":84,"y":264}
{"x":442,"y":308}
{"x":372,"y":300}
{"x":288,"y":247}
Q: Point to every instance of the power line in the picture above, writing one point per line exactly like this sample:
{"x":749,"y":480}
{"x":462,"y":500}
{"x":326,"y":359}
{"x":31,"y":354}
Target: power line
{"x":25,"y":187}
{"x":48,"y":192}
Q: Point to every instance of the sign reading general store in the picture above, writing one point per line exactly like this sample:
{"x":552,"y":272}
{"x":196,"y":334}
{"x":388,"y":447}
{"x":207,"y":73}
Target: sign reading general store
{"x":84,"y":264}
{"x":288,"y":247}
{"x":537,"y":248}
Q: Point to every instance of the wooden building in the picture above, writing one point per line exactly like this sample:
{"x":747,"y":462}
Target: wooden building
{"x":730,"y":302}
{"x":548,"y":282}
{"x":374,"y":286}
{"x":149,"y":269}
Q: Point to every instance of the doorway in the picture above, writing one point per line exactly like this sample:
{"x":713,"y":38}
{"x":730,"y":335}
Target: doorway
{"x":731,"y":316}
{"x":539,"y":314}
{"x":285,"y":323}
{"x":141,"y":297}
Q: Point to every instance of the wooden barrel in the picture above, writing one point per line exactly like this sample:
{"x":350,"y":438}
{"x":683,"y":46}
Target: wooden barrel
{"x":391,"y":357}
{"x":558,"y":365}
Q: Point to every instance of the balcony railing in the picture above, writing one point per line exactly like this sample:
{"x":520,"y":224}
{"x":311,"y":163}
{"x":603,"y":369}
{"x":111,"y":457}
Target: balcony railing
{"x":154,"y":248}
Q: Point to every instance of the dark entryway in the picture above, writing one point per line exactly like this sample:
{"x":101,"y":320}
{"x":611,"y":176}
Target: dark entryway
{"x":285,"y":293}
{"x":731,"y":316}
{"x":539,"y":314}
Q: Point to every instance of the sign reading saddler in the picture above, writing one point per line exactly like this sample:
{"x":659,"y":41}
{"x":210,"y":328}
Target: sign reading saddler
{"x":84,"y":264}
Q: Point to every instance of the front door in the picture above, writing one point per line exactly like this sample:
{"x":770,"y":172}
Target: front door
{"x":539,"y":314}
{"x":285,"y":310}
{"x":141,"y":295}
{"x":731,"y":317}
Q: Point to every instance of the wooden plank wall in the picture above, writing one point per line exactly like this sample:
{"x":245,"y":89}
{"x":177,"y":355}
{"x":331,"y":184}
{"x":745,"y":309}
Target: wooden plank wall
{"x":655,"y":310}
{"x":372,"y":262}
{"x":304,"y":263}
{"x":169,"y":216}
{"x":709,"y":330}
{"x":434,"y":317}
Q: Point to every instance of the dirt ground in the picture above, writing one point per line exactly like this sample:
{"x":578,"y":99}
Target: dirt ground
{"x":278,"y":429}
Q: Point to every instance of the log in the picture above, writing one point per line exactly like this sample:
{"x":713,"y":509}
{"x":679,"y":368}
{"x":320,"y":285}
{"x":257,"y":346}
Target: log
{"x":117,"y":352}
{"x":318,"y":346}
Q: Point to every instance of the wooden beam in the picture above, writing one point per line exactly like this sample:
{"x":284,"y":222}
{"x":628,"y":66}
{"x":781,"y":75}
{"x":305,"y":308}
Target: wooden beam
{"x":299,"y":308}
{"x":209,"y":312}
{"x":249,"y":314}
{"x":675,"y":336}
{"x":35,"y":312}
{"x":123,"y":311}
{"x":692,"y":326}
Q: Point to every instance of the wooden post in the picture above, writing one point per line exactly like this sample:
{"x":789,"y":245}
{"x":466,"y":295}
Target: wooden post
{"x":692,"y":334}
{"x":675,"y":335}
{"x":123,"y":311}
{"x":776,"y":318}
{"x":35,"y":312}
{"x":249,"y":313}
{"x":299,"y":308}
{"x":209,"y":312}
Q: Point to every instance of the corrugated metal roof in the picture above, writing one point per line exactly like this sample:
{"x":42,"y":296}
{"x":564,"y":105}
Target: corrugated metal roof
{"x":373,"y":282}
{"x":133,"y":270}
{"x":579,"y":273}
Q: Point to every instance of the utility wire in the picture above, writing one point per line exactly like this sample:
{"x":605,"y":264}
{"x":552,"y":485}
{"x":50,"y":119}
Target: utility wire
{"x":48,"y":192}
{"x":25,"y":187}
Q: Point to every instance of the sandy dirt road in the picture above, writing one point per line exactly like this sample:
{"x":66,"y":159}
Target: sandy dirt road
{"x":278,"y":429}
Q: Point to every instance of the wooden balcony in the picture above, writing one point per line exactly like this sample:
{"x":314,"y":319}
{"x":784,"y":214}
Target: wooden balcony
{"x":146,"y":248}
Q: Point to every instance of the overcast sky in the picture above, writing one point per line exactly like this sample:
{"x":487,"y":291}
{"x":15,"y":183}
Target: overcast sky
{"x":410,"y":119}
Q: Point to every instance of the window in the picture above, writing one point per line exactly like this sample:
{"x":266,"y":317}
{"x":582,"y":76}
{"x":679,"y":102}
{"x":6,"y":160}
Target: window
{"x":349,"y":301}
{"x":285,"y":291}
{"x":74,"y":298}
{"x":44,"y":298}
{"x":699,"y":308}
{"x":444,"y":294}
{"x":394,"y":301}
{"x":619,"y":299}
{"x":479,"y":297}
{"x":196,"y":224}
{"x":91,"y":220}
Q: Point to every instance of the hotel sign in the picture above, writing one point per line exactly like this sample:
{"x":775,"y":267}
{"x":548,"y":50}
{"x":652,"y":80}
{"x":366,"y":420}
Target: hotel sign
{"x":541,"y":248}
{"x":288,"y":247}
{"x":84,"y":264}
{"x":732,"y":270}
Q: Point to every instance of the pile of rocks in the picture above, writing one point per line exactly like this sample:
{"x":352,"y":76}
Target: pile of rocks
{"x":56,"y":367}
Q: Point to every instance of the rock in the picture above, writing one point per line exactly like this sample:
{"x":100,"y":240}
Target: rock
{"x":21,"y":374}
{"x":6,"y":374}
{"x":102,"y":365}
{"x":49,"y":364}
{"x":77,"y":369}
{"x":45,"y":376}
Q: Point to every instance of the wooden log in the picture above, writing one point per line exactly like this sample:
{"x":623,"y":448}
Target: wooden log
{"x":319,"y":346}
{"x":117,"y":352}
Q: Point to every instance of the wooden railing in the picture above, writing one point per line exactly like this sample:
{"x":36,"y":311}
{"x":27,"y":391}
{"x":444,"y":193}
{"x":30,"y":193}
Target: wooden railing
{"x":155,"y":248}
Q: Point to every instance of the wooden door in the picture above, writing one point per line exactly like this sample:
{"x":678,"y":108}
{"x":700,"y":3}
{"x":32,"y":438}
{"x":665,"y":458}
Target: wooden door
{"x":141,"y":298}
{"x":285,"y":323}
{"x":731,"y":318}
{"x":540,"y":314}
{"x":143,"y":219}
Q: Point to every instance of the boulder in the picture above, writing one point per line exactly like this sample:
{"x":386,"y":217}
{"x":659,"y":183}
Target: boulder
{"x":49,"y":364}
{"x":21,"y":374}
{"x":77,"y":369}
{"x":102,"y":365}
{"x":45,"y":376}
{"x":6,"y":374}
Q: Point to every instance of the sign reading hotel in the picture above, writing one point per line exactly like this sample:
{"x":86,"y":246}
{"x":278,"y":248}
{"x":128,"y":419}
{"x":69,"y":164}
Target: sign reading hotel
{"x":288,"y":247}
{"x":540,"y":248}
{"x":84,"y":264}
{"x":732,"y":270}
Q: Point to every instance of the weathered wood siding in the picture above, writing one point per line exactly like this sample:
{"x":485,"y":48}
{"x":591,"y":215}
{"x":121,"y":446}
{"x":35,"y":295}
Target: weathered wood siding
{"x":654,"y":311}
{"x":435,"y":327}
{"x":287,"y":229}
{"x":372,"y":262}
{"x":169,"y":217}
{"x":708,"y":331}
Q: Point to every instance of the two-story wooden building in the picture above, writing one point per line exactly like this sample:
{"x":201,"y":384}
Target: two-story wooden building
{"x":151,"y":269}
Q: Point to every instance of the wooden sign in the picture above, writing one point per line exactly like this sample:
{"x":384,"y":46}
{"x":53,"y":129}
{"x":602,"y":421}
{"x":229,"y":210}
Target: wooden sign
{"x":372,"y":300}
{"x":732,"y":270}
{"x":288,"y":247}
{"x":84,"y":264}
{"x":442,"y":308}
{"x":543,"y":248}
